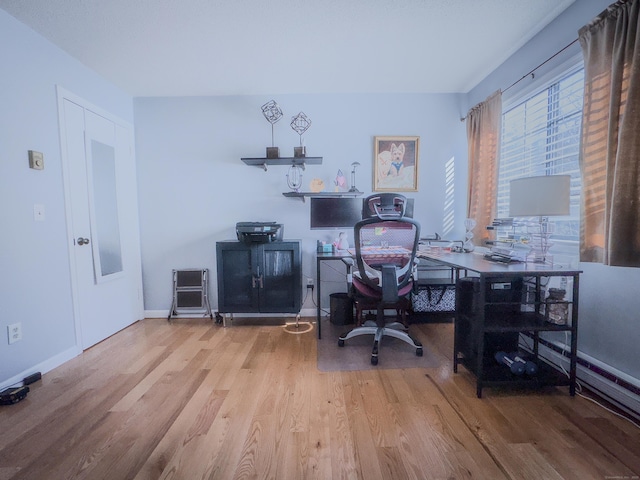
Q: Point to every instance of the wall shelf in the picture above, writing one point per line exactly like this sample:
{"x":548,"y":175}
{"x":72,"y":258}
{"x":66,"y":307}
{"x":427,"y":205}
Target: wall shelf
{"x":303,"y":195}
{"x":300,"y":161}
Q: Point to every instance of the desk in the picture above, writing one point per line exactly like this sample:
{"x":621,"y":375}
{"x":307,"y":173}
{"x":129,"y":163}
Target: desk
{"x":487,"y":313}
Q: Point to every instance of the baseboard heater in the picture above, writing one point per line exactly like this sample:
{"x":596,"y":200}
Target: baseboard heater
{"x":613,"y":388}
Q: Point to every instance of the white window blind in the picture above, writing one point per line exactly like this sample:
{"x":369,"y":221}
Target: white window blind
{"x":541,"y":136}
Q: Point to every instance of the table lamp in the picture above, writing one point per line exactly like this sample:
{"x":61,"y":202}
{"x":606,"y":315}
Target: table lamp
{"x":353,"y":177}
{"x":541,"y":196}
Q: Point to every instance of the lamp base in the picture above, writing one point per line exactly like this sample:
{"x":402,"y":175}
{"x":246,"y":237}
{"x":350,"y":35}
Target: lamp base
{"x":540,"y":243}
{"x":540,"y":258}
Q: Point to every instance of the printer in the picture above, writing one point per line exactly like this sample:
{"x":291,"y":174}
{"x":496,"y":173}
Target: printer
{"x":259,"y":232}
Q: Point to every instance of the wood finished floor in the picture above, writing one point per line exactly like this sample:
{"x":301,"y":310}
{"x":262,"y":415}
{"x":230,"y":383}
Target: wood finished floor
{"x":189,"y":400}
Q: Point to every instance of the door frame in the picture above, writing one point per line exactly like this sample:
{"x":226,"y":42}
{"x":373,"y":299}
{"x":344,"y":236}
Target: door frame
{"x":62,"y":95}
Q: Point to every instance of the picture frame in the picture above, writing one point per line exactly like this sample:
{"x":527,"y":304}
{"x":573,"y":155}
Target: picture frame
{"x":395,"y":163}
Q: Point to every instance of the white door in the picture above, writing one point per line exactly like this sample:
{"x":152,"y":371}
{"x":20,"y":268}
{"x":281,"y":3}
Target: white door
{"x":102,"y":212}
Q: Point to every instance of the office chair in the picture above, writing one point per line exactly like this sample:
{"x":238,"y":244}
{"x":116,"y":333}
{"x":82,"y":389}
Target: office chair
{"x":385,"y":256}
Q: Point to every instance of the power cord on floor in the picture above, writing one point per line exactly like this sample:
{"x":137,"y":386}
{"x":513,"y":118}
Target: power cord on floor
{"x":579,"y":385}
{"x":310,"y":288}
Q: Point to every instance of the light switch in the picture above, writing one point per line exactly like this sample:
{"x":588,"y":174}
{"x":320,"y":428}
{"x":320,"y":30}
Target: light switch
{"x":38,"y":212}
{"x":36,"y":160}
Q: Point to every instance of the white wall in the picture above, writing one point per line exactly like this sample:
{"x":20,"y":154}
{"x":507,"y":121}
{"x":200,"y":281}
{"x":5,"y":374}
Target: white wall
{"x":609,"y":302}
{"x":193,"y":186}
{"x":35,"y":280}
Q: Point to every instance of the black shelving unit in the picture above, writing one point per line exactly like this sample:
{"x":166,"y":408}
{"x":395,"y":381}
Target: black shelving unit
{"x":491,"y":313}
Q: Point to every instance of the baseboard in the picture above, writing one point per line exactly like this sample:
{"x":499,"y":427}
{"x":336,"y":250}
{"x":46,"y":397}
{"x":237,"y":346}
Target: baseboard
{"x":156,"y":313}
{"x":43,"y":367}
{"x":611,"y":384}
{"x":306,"y":312}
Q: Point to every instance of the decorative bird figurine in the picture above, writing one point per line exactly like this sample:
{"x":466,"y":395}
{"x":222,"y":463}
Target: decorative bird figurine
{"x":340,"y":181}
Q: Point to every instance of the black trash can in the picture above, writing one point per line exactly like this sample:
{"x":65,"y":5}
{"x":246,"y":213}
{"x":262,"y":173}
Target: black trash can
{"x":341,"y":309}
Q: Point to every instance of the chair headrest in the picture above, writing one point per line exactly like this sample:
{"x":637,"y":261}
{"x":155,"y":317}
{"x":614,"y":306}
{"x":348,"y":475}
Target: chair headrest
{"x":384,"y":205}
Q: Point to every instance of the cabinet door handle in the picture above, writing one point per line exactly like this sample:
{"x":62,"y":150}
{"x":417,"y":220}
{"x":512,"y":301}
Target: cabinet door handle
{"x":257,"y":280}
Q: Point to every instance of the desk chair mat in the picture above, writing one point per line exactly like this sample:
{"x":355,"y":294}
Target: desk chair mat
{"x":356,"y":354}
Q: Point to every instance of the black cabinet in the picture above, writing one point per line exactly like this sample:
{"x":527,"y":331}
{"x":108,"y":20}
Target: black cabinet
{"x":259,"y":277}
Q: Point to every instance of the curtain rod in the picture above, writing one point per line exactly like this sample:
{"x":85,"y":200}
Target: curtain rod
{"x":532,"y":72}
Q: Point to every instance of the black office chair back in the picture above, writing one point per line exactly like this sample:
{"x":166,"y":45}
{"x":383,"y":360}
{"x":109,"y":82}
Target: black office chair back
{"x":384,"y":205}
{"x":386,"y":245}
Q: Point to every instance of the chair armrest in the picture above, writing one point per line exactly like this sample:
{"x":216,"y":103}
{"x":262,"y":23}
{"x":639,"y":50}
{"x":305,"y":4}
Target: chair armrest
{"x":349,"y":263}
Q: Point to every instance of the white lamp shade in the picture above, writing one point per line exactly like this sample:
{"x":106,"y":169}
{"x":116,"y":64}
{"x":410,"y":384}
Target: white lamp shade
{"x":540,"y":196}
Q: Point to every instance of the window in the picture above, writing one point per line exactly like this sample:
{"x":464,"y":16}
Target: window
{"x":541,"y":136}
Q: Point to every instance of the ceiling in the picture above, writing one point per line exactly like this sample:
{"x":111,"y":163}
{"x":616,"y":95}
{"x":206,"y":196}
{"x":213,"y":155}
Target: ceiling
{"x":233,"y":47}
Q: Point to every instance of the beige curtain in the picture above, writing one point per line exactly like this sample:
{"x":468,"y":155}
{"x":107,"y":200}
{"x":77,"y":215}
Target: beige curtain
{"x":610,"y":146}
{"x":483,"y":139}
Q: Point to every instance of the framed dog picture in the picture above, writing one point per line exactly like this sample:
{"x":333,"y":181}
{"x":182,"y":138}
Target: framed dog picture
{"x":395,"y":164}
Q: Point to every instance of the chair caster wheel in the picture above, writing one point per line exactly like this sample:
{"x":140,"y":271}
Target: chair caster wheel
{"x":374,"y":360}
{"x":419,"y":352}
{"x":340,"y":342}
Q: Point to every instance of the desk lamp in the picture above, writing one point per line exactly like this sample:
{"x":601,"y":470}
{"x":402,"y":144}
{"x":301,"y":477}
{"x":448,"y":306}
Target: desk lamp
{"x":353,"y":177}
{"x":542,"y":196}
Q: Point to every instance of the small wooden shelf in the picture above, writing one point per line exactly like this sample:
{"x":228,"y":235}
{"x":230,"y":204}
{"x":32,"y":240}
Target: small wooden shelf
{"x":302,"y":195}
{"x":301,"y":161}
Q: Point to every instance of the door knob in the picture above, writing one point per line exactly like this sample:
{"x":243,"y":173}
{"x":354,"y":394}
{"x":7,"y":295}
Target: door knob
{"x":83,"y":241}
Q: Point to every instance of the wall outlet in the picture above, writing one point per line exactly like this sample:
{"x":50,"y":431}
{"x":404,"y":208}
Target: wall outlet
{"x":309,"y":282}
{"x":14,"y":332}
{"x":38,"y":212}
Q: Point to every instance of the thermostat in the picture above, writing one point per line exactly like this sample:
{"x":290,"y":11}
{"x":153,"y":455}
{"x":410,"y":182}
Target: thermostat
{"x":36,"y":160}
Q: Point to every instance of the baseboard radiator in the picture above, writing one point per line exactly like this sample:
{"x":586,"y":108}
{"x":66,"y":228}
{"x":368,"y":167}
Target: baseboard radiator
{"x":609,"y":383}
